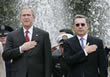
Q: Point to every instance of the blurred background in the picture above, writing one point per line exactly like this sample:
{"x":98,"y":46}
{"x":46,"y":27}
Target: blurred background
{"x":53,"y":15}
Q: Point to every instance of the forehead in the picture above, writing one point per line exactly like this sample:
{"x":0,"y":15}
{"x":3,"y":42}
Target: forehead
{"x":80,"y":20}
{"x":26,"y":11}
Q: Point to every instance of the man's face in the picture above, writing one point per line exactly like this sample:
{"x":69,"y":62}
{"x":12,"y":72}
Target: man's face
{"x":27,"y":17}
{"x":3,"y":39}
{"x":61,"y":49}
{"x":80,"y":26}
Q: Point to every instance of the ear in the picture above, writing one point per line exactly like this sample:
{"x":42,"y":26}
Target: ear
{"x":88,"y":25}
{"x":34,"y":17}
{"x":73,"y":27}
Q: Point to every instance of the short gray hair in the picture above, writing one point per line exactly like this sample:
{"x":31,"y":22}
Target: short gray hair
{"x":81,"y":16}
{"x":27,"y":7}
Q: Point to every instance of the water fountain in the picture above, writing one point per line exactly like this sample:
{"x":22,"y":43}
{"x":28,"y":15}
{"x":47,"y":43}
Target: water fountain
{"x":103,"y":7}
{"x":51,"y":15}
{"x":100,"y":13}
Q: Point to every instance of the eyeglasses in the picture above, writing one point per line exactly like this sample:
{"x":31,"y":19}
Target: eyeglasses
{"x":82,"y":24}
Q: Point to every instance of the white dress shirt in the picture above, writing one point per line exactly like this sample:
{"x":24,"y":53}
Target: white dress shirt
{"x":29,"y":34}
{"x":85,"y":41}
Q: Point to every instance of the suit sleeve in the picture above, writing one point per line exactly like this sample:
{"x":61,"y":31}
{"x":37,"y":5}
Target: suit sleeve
{"x":102,"y":58}
{"x":72,"y":57}
{"x":107,"y":50}
{"x":9,"y":51}
{"x":47,"y":49}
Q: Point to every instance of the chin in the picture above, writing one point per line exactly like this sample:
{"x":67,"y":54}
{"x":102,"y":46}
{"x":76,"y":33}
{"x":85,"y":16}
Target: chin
{"x":27,"y":25}
{"x":81,"y":34}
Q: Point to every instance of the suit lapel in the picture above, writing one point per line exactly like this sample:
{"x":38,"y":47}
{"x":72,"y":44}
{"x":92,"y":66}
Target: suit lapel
{"x":89,"y":40}
{"x":35,"y":34}
{"x":21,"y":36}
{"x":75,"y":43}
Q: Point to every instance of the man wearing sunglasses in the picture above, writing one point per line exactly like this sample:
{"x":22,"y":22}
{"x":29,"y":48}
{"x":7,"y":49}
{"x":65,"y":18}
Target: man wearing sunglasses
{"x":83,"y":53}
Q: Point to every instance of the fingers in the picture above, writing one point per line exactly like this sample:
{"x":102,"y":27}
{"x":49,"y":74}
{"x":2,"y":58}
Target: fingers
{"x":90,"y":48}
{"x":53,"y":49}
{"x":108,"y":46}
{"x":28,"y":45}
{"x":33,"y":43}
{"x":95,"y":46}
{"x":87,"y":44}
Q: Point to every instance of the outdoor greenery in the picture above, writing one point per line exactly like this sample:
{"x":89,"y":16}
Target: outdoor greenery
{"x":7,"y":13}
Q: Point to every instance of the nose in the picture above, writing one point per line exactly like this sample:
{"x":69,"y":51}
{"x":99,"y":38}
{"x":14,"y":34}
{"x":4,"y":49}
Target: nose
{"x":26,"y":16}
{"x":80,"y":26}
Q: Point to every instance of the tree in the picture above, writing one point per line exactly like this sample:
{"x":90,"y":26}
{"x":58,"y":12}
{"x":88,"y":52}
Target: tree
{"x":81,"y":7}
{"x":7,"y":13}
{"x":99,"y":19}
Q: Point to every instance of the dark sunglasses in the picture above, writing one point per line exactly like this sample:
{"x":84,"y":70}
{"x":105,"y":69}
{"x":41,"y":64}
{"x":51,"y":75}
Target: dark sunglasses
{"x":82,"y":24}
{"x":2,"y":35}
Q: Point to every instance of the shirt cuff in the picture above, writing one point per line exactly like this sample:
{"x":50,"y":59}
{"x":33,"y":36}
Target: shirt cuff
{"x":20,"y":50}
{"x":85,"y":53}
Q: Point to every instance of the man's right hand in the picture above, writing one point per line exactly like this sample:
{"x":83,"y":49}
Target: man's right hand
{"x":28,"y":45}
{"x":90,"y":48}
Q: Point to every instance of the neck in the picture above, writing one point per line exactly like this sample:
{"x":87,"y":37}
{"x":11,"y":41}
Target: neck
{"x":27,"y":27}
{"x":3,"y":45}
{"x":81,"y":35}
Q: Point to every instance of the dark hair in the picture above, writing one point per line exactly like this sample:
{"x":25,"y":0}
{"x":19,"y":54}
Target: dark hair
{"x":69,"y":31}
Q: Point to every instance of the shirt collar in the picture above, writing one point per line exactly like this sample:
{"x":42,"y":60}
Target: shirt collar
{"x":30,"y":29}
{"x":84,"y":37}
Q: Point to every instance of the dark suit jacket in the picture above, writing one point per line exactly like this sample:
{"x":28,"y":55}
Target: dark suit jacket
{"x":107,"y":50}
{"x":59,"y":67}
{"x":93,"y":65}
{"x":35,"y":62}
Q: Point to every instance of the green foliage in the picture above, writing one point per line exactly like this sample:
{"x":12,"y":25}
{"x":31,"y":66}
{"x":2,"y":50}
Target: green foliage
{"x":7,"y":12}
{"x":80,"y":7}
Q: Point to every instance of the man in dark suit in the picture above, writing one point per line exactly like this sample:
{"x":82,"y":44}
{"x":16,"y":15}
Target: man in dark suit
{"x":83,"y":53}
{"x":29,"y":49}
{"x":107,"y":49}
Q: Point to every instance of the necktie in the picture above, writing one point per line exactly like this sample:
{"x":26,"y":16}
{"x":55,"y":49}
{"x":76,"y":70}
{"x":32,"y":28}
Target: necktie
{"x":82,"y":42}
{"x":27,"y":37}
{"x":82,"y":45}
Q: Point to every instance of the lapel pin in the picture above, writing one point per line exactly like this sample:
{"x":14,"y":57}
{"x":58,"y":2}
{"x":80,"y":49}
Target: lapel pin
{"x":37,"y":35}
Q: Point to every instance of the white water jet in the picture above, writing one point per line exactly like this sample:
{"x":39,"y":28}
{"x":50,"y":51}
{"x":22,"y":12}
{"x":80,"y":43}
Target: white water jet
{"x":100,"y":12}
